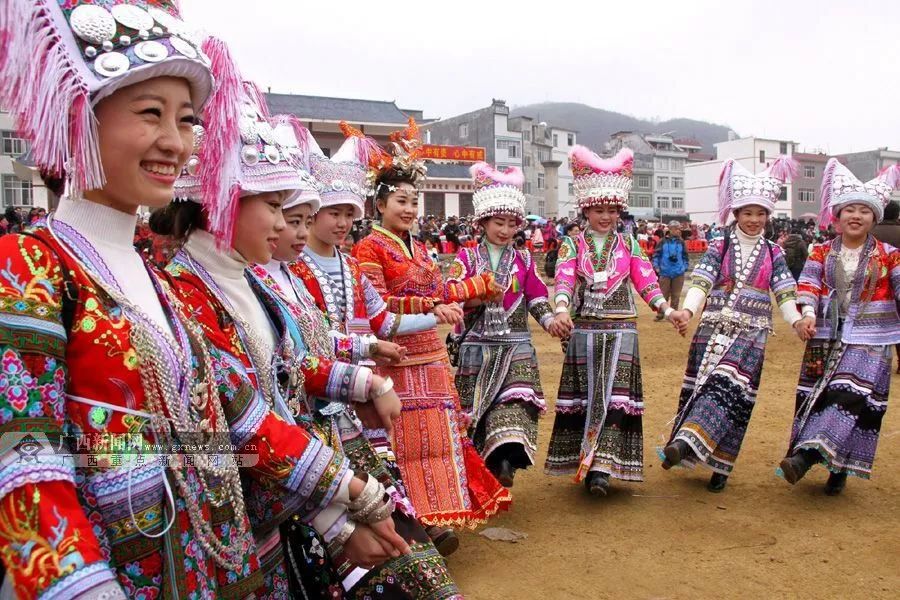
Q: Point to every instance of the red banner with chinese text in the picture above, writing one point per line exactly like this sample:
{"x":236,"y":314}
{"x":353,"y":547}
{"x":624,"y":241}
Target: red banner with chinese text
{"x":460,"y":153}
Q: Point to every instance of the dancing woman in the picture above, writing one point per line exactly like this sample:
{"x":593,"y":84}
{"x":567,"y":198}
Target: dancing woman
{"x":735,"y":279}
{"x":598,"y":432}
{"x":96,"y":361}
{"x":498,"y":379}
{"x":443,"y":474}
{"x":848,"y":293}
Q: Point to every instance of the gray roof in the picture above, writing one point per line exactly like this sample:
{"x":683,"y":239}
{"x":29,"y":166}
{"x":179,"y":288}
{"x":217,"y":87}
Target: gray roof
{"x":449,"y":170}
{"x":321,"y":108}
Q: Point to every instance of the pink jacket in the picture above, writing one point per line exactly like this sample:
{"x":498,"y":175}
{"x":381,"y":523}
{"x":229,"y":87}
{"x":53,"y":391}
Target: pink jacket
{"x":629,"y":264}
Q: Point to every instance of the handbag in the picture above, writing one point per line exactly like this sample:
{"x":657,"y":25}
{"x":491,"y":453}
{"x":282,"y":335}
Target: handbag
{"x":454,"y":342}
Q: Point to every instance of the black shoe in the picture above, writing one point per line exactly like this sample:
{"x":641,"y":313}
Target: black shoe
{"x":597,"y":483}
{"x":675,"y":453}
{"x":835,"y":484}
{"x":795,"y":467}
{"x":444,"y":539}
{"x":504,"y":472}
{"x":717,"y":483}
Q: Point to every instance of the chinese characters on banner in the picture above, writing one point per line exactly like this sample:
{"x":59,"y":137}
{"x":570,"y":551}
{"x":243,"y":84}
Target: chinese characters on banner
{"x":460,"y":153}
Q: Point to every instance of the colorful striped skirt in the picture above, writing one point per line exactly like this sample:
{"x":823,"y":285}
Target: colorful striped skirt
{"x":842,"y":396}
{"x":600,"y":406}
{"x":712,"y":418}
{"x":500,"y":388}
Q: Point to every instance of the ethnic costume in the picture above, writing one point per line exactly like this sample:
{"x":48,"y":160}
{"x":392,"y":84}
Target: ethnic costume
{"x":97,"y":366}
{"x":600,"y":402}
{"x":845,"y":377}
{"x":498,"y":380}
{"x":735,"y":279}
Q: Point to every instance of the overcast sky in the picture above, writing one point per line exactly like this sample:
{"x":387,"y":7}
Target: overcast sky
{"x":823,"y":73}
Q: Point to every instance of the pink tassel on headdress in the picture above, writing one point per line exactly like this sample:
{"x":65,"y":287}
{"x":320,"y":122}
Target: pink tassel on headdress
{"x":582,"y":157}
{"x":891,"y":176}
{"x":300,"y":132}
{"x":220,"y":162}
{"x":785,"y":168}
{"x":256,"y":95}
{"x":47,"y":95}
{"x":512,"y":176}
{"x":826,"y":192}
{"x":725,"y":192}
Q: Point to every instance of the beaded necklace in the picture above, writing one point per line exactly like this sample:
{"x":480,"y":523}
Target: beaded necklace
{"x":166,"y":377}
{"x":599,"y":256}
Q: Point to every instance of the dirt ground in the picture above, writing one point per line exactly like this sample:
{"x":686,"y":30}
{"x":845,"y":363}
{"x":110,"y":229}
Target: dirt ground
{"x":668,"y":537}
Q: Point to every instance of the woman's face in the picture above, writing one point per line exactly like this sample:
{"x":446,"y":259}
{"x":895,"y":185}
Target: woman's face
{"x":500,"y":229}
{"x":752,"y":219}
{"x":292,"y":239}
{"x":856,"y":221}
{"x":332,"y":224}
{"x":574,"y":231}
{"x":400,"y":208}
{"x":146,"y":136}
{"x":259,"y":225}
{"x":602,"y":219}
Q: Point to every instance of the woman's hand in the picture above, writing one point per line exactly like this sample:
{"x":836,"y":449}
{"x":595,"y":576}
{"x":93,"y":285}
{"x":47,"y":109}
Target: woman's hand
{"x":449,"y":314}
{"x":560,"y":326}
{"x":388,"y":353}
{"x":680,"y":320}
{"x":805,"y":328}
{"x":365,"y":548}
{"x":381,"y":411}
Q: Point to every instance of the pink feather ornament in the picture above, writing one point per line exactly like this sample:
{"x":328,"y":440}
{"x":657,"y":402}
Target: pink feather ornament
{"x":482,"y":171}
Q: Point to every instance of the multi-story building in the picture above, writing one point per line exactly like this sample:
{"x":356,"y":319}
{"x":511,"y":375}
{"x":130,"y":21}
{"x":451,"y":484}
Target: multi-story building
{"x":545,"y":163}
{"x":701,"y":179}
{"x":487,"y":128}
{"x":659,"y":161}
{"x":806,"y":199}
{"x":22,"y":185}
{"x":868,"y":164}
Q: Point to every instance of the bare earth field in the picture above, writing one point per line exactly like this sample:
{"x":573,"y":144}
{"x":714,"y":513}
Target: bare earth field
{"x":668,"y":537}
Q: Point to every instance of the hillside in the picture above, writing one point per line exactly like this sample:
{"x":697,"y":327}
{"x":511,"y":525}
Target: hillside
{"x":594,"y":125}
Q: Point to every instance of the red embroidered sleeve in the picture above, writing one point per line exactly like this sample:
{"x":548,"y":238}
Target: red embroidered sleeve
{"x":372,"y":262}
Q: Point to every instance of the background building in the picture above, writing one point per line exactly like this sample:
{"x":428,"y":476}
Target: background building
{"x":867,"y":165}
{"x":21,"y":183}
{"x":659,"y":161}
{"x":701,"y":179}
{"x":545,"y":163}
{"x":806,"y":200}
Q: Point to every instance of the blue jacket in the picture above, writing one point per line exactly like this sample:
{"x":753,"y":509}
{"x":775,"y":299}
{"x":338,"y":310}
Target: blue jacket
{"x":670,"y":259}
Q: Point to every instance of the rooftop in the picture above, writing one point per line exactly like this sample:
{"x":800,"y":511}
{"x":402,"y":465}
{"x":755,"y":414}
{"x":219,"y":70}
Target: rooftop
{"x":323,"y":108}
{"x":448,"y":170}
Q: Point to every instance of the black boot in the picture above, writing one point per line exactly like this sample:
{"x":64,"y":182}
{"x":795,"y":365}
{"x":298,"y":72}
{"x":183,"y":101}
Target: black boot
{"x":717,"y":483}
{"x":597,"y":483}
{"x":504,"y":472}
{"x":796,"y":465}
{"x":444,"y":539}
{"x":835,"y":484}
{"x":675,"y":453}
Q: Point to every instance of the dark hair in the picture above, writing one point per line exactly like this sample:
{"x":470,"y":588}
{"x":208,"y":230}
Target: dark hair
{"x":387,"y":181}
{"x":177,"y":220}
{"x":568,"y":228}
{"x":892,"y":211}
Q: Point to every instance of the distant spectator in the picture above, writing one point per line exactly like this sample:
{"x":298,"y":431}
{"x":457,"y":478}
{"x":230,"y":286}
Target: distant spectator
{"x":795,"y":253}
{"x":670,"y":261}
{"x":13,"y":220}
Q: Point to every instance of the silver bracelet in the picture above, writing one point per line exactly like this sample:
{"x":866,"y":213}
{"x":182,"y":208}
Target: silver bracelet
{"x":387,"y":386}
{"x":344,"y":534}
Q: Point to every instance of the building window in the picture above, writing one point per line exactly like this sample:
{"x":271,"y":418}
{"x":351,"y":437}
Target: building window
{"x":677,"y":202}
{"x":435,"y":204}
{"x":643,"y":182}
{"x":511,"y":146}
{"x":783,"y":194}
{"x":12,"y":145}
{"x":555,"y":139}
{"x":662,"y":183}
{"x":526,"y":135}
{"x":16,"y":192}
{"x":540,"y":181}
{"x":571,"y":189}
{"x":640,"y":201}
{"x":544,"y":155}
{"x":762,"y":157}
{"x":527,"y":187}
{"x":806,"y":195}
{"x":661,"y":163}
{"x":541,"y":206}
{"x":783,"y":148}
{"x":678,"y":183}
{"x":571,"y":139}
{"x":662,"y":202}
{"x":464,"y":130}
{"x":809,"y":171}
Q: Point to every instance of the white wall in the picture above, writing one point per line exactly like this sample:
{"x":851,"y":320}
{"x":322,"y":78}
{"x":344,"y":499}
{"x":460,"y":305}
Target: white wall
{"x":501,"y":131}
{"x":701,"y":190}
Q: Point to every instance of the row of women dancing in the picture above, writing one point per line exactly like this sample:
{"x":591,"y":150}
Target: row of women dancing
{"x":350,"y":452}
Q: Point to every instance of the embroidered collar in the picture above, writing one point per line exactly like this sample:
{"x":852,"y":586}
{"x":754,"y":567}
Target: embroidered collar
{"x":409,"y":251}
